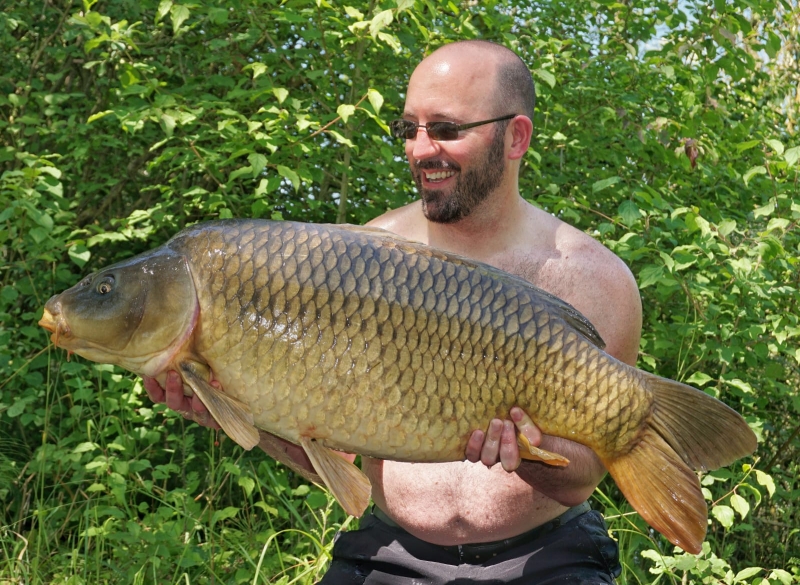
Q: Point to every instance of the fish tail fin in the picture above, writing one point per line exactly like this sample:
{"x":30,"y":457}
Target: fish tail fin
{"x":687,"y":430}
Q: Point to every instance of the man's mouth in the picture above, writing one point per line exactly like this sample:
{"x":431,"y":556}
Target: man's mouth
{"x":438,"y":176}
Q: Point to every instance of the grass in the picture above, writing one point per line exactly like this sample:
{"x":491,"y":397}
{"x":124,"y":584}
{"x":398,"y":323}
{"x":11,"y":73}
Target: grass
{"x":99,"y":486}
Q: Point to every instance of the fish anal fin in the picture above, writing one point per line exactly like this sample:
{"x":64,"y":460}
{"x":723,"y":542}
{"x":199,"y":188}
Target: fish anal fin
{"x":232,"y":415}
{"x":662,"y":488}
{"x":347,"y":483}
{"x":531,"y":453}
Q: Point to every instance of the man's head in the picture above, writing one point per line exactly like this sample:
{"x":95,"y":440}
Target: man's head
{"x":467,"y":82}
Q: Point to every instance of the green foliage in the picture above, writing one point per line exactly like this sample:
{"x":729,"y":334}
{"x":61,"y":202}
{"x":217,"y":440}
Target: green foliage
{"x":666,"y":130}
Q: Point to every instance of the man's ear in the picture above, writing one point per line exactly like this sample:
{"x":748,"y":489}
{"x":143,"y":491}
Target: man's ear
{"x":521,"y":132}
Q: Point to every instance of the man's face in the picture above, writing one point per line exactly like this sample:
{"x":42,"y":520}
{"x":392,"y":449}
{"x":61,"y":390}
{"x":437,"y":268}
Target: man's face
{"x":454,"y":177}
{"x":470,"y":187}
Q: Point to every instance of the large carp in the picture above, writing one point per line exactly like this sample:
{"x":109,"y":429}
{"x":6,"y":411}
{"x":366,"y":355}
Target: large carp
{"x":354,"y":339}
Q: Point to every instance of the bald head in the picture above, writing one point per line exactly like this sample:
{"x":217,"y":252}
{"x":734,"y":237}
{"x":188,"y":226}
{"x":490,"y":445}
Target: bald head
{"x":500,"y":68}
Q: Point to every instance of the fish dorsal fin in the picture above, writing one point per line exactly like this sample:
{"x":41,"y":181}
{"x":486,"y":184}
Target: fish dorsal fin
{"x":232,"y":415}
{"x":572,"y":316}
{"x":347,"y":483}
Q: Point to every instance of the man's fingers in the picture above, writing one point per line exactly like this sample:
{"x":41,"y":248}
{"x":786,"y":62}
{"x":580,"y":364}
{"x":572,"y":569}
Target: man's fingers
{"x":174,"y":391}
{"x":491,"y":446}
{"x":153,"y":389}
{"x":201,"y":414}
{"x":509,"y":450}
{"x":474,"y":446}
{"x":526,"y":426}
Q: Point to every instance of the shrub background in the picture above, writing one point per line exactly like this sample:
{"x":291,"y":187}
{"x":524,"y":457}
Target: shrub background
{"x":668,"y":130}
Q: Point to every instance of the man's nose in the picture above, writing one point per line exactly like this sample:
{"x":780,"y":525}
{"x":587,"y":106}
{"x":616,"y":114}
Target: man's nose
{"x":423,"y":146}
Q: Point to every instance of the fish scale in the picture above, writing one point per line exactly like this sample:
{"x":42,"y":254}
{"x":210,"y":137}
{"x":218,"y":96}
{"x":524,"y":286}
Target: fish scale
{"x":355,"y":339}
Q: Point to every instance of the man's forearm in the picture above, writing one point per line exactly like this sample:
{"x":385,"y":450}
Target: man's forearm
{"x":568,"y":485}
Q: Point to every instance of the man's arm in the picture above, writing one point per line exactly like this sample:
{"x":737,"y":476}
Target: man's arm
{"x":617,"y":315}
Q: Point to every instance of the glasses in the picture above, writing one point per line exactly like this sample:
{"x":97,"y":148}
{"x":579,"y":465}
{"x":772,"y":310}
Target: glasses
{"x":436,"y":130}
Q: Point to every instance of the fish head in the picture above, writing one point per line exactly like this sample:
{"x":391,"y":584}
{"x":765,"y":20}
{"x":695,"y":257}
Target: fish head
{"x":137,"y":314}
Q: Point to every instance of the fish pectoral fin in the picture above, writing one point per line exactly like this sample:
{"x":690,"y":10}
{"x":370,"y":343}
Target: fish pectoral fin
{"x":232,"y":415}
{"x":347,"y":483}
{"x":531,"y":453}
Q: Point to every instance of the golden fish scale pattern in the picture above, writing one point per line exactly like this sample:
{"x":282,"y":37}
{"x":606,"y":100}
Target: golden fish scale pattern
{"x":391,"y":349}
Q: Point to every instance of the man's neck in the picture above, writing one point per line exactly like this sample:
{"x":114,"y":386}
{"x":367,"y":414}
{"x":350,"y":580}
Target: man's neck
{"x":491,"y":228}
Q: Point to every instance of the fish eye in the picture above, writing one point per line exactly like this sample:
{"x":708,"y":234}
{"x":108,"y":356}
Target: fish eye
{"x":106,"y":285}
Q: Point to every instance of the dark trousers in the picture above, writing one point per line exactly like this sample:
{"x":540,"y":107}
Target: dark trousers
{"x":578,"y":551}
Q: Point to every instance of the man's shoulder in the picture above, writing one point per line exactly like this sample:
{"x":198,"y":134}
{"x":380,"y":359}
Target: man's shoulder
{"x":600,"y":285}
{"x":406,"y":221}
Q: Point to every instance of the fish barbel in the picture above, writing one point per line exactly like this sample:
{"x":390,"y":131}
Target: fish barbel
{"x":354,"y":339}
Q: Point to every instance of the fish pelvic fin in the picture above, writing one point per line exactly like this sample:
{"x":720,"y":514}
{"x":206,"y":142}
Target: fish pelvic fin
{"x":347,"y":483}
{"x":232,"y":415}
{"x":687,"y":430}
{"x":531,"y":453}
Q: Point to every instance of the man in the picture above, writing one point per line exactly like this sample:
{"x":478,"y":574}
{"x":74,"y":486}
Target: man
{"x":478,"y":521}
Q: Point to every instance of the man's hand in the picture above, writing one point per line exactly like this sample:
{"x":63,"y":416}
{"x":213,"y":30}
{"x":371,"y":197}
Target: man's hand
{"x":501,"y":440}
{"x":190,"y":407}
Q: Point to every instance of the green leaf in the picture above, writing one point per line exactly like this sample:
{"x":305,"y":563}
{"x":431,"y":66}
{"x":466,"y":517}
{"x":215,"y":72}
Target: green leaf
{"x":783,"y":576}
{"x":776,"y":145}
{"x":764,"y":210}
{"x":258,"y":162}
{"x":163,"y":9}
{"x":317,"y":499}
{"x":354,"y":13}
{"x":742,"y":146}
{"x":650,"y":275}
{"x":224,"y":514}
{"x":168,"y":124}
{"x":629,"y":212}
{"x":379,"y":22}
{"x":79,"y":254}
{"x":792,"y":155}
{"x":258,"y":69}
{"x":391,"y":40}
{"x":724,"y":515}
{"x":98,"y":115}
{"x":84,"y":447}
{"x":545,"y":76}
{"x":743,"y":386}
{"x":766,"y":480}
{"x":727,"y":226}
{"x":289,"y":174}
{"x":698,"y":379}
{"x":739,"y":504}
{"x":747,"y":573}
{"x":179,"y":13}
{"x":604,"y":183}
{"x":375,"y":98}
{"x":345,"y":111}
{"x":758,"y":170}
{"x":247,"y":484}
{"x":280,"y":93}
{"x":342,"y":139}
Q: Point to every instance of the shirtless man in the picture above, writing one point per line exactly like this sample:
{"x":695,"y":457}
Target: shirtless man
{"x":476,"y":520}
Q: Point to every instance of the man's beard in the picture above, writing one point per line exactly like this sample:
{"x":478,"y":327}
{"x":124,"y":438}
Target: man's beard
{"x":470,"y":189}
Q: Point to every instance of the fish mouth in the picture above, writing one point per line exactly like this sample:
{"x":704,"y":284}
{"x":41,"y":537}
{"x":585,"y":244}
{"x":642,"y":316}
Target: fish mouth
{"x":56,"y":325}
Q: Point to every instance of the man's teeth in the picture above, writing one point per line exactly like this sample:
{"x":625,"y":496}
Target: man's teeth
{"x":440,"y":175}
